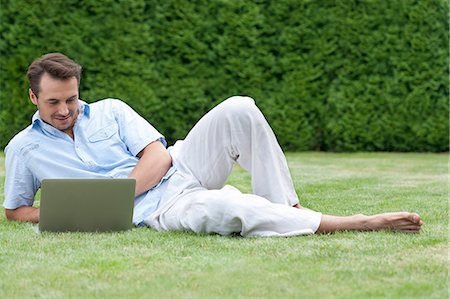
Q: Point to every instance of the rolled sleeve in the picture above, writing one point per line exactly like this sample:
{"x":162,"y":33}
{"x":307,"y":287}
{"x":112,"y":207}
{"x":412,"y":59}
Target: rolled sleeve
{"x":20,"y":184}
{"x":135,"y":131}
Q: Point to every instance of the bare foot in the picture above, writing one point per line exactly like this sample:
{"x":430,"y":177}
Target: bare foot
{"x":401,"y":221}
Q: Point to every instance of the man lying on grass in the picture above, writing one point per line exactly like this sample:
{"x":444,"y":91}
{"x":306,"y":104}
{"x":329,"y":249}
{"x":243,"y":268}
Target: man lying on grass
{"x":177,"y":188}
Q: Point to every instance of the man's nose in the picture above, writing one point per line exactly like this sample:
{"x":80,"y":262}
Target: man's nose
{"x":63,"y":109}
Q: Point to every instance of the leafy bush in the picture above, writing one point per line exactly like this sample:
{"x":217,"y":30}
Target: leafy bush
{"x":329,"y":75}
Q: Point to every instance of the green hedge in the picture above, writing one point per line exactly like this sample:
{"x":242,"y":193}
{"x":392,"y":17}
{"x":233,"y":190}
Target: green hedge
{"x":329,"y":75}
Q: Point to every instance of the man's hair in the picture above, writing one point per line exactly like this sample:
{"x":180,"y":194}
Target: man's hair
{"x":57,"y":65}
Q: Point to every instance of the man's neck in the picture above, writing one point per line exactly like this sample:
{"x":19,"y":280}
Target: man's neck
{"x":70,"y":133}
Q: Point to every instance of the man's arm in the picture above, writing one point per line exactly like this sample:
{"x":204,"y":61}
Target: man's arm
{"x":23,"y":213}
{"x":153,"y":164}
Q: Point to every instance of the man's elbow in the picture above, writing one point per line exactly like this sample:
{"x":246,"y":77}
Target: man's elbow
{"x":9,"y":214}
{"x":167,"y":160}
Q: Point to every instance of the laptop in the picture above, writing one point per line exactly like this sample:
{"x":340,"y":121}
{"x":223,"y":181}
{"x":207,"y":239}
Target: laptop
{"x":86,"y":205}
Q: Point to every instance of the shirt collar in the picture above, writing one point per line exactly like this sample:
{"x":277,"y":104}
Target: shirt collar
{"x":83,"y":108}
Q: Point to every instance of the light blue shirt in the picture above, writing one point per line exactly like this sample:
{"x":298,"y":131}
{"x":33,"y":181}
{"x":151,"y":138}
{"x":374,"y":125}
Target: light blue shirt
{"x":108,"y":136}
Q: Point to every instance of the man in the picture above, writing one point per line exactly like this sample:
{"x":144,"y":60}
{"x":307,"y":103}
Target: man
{"x":179,"y":188}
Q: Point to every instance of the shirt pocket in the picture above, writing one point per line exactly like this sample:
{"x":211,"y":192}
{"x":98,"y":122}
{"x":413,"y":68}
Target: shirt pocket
{"x":105,"y":147}
{"x":104,"y":133}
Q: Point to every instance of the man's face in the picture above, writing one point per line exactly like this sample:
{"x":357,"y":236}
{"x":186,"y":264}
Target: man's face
{"x":57,"y":102}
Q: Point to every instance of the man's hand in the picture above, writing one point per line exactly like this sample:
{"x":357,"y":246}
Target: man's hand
{"x":23,"y":214}
{"x":153,"y":164}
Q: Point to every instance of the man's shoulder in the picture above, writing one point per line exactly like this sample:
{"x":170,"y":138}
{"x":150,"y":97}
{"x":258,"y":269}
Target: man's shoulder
{"x":21,"y":140}
{"x":109,"y":107}
{"x":108,"y":103}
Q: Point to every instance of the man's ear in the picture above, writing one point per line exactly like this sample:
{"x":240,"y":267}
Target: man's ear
{"x":33,"y":97}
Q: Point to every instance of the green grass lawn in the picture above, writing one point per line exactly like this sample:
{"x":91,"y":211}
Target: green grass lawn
{"x":147,"y":264}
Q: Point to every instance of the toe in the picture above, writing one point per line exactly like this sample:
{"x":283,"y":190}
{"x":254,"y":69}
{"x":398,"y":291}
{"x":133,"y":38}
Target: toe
{"x":415,"y":218}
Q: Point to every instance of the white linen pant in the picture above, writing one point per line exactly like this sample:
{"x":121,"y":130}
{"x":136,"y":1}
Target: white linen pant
{"x":195,"y":198}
